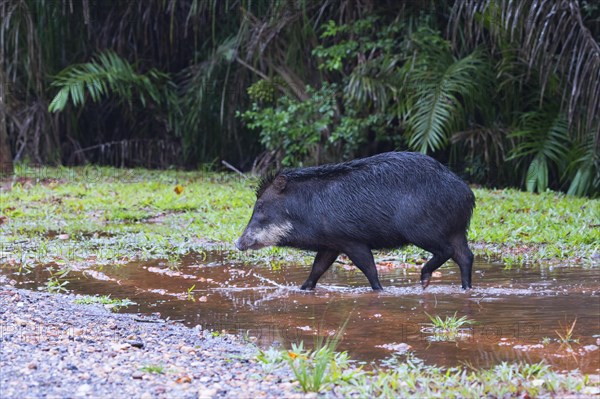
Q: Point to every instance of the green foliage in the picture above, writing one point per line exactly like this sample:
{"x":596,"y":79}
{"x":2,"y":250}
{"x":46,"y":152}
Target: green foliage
{"x":584,"y":169}
{"x":565,"y":337}
{"x":542,"y":139}
{"x":111,"y":74}
{"x":340,"y":81}
{"x":112,"y":303}
{"x":450,"y":328}
{"x":411,"y":377}
{"x":316,"y":369}
{"x":56,"y":283}
{"x":153,"y":369}
{"x":442,"y":92}
{"x":265,"y":90}
{"x":556,"y":225}
{"x":297,"y":129}
{"x":343,"y":43}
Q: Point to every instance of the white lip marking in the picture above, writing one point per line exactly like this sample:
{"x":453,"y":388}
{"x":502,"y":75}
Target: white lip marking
{"x":272,"y":234}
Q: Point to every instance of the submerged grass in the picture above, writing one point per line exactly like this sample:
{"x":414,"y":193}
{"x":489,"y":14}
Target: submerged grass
{"x":108,"y":215}
{"x":449,"y":328}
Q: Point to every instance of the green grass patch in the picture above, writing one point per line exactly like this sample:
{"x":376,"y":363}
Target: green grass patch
{"x":334,"y":374}
{"x":522,"y":227}
{"x":450,"y":328}
{"x":108,"y":215}
{"x":106,"y":300}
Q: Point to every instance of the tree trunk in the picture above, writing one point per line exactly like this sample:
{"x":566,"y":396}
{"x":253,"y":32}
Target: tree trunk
{"x":6,"y":161}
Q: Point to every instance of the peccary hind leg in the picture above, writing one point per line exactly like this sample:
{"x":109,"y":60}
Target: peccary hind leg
{"x":440,"y":256}
{"x":464,"y":257}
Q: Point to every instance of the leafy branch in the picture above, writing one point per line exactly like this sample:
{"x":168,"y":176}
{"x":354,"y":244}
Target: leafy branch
{"x":108,"y":73}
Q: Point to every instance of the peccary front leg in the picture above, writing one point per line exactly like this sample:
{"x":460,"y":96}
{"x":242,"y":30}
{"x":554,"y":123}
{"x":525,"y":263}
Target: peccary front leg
{"x":323,"y":261}
{"x":362,"y":258}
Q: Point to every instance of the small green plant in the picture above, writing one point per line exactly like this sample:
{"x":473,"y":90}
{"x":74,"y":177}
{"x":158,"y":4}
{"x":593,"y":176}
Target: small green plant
{"x":565,"y":337}
{"x":190,"y":293}
{"x":112,"y":303}
{"x":270,"y":359}
{"x":314,"y":369}
{"x":153,"y":369}
{"x":54,"y":284}
{"x":310,"y":367}
{"x":450,"y":328}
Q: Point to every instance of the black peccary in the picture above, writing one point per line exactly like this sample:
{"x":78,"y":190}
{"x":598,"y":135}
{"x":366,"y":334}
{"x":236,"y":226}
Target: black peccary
{"x":384,"y":201}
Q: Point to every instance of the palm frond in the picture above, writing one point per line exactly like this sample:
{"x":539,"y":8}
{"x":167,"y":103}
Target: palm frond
{"x":585,"y":171}
{"x":550,"y":37}
{"x":373,"y":82}
{"x":109,"y":73}
{"x":543,"y":140}
{"x":442,"y":96}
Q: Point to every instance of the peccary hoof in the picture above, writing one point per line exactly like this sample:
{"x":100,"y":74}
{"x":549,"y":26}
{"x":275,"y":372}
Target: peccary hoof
{"x":425,"y":280}
{"x":307,"y":287}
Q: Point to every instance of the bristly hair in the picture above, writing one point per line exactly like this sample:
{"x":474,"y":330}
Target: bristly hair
{"x":265,"y":181}
{"x":329,"y":171}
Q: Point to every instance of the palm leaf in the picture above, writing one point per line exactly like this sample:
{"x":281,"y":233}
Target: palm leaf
{"x":108,"y":73}
{"x":551,"y":38}
{"x":543,"y":140}
{"x":585,"y":171}
{"x":443,"y":94}
{"x":373,"y":82}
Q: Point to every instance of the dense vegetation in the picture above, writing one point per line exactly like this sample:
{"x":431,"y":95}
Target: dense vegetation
{"x":505,"y":92}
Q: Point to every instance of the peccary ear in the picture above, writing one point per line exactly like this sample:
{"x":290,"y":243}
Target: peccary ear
{"x":279,"y":183}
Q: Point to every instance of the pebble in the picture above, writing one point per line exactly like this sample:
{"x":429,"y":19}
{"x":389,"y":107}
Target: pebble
{"x":63,"y":349}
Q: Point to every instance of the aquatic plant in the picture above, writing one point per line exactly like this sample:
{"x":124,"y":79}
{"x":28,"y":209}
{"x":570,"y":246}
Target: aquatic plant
{"x":450,"y":328}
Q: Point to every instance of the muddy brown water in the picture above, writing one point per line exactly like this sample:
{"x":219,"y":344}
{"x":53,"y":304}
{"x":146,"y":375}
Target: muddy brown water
{"x":518,"y":311}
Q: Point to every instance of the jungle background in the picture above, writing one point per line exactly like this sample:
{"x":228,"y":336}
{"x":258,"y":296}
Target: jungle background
{"x":505,"y":92}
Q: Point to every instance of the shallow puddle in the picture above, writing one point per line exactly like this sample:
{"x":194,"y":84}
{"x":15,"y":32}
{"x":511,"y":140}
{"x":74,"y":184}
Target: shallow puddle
{"x":517,"y":312}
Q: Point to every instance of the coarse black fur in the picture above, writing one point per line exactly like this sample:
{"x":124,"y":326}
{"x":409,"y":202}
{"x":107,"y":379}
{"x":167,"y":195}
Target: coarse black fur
{"x":265,"y":181}
{"x":384,"y":201}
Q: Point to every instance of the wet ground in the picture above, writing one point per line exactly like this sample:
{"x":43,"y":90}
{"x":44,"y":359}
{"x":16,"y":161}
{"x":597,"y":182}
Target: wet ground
{"x":519,"y":313}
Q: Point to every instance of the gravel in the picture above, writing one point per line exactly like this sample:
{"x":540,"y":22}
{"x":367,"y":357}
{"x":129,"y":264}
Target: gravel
{"x":51,"y":347}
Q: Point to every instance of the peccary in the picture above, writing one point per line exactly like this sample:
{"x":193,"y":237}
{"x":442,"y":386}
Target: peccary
{"x":384,"y":201}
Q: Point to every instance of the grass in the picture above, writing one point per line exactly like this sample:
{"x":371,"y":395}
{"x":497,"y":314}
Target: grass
{"x":450,"y":328}
{"x":106,"y":300}
{"x":107,"y":215}
{"x":521,"y":227}
{"x":316,"y":370}
{"x":565,"y":337}
{"x":56,"y":283}
{"x":153,"y":369}
{"x":411,"y":377}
